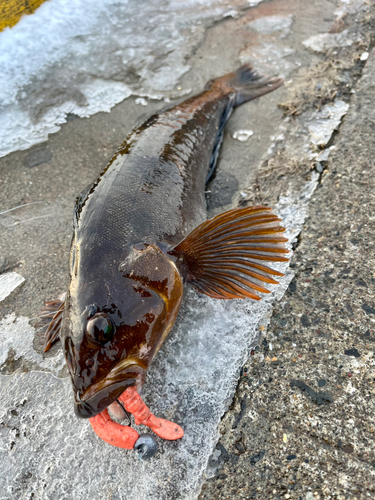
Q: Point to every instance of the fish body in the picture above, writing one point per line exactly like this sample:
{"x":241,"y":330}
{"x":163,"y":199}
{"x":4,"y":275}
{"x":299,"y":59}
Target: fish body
{"x":140,"y":234}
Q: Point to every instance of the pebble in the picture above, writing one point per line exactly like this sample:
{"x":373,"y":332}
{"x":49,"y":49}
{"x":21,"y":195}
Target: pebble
{"x":352,"y":352}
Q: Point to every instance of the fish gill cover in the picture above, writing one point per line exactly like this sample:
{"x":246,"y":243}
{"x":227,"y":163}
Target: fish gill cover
{"x":82,"y":58}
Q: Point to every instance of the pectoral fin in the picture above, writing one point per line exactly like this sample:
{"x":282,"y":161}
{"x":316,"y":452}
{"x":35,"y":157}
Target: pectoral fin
{"x":223,"y":257}
{"x":50,"y":320}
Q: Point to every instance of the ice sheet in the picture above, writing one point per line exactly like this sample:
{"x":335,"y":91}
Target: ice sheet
{"x":16,"y":336}
{"x":271,"y":24}
{"x":47,"y":452}
{"x":74,"y":57}
{"x":326,"y":121}
{"x":8,"y":283}
{"x":325,"y":41}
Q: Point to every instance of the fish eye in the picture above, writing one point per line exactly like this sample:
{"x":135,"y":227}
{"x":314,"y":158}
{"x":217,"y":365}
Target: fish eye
{"x":100,"y":328}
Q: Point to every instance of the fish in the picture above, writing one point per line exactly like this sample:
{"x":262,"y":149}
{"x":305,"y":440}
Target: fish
{"x":141,"y":236}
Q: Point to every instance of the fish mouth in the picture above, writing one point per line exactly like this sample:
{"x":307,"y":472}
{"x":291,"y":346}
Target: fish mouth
{"x":103,"y":393}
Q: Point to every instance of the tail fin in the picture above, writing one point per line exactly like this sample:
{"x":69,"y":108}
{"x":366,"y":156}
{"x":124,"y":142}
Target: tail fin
{"x":247,"y":83}
{"x":243,"y":85}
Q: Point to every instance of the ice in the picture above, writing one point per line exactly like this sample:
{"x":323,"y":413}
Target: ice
{"x":270,"y":54}
{"x":242,"y":135}
{"x":141,"y":100}
{"x":325,"y":41}
{"x":312,"y":132}
{"x":350,"y":7}
{"x":230,"y":13}
{"x":271,"y":24}
{"x":71,"y":58}
{"x":16,"y":337}
{"x":323,"y":156}
{"x":270,"y":58}
{"x":326,"y":121}
{"x":46,"y":452}
{"x":8,"y":283}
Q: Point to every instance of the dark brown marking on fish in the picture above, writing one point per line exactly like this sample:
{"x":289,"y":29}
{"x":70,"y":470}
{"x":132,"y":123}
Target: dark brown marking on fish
{"x":140,"y":232}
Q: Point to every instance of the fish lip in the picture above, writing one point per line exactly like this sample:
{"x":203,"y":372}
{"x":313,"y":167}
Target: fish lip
{"x":101,"y":399}
{"x":100,"y":395}
{"x":117,"y":374}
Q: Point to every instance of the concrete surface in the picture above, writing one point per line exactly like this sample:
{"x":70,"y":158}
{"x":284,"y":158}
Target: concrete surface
{"x":301,"y":424}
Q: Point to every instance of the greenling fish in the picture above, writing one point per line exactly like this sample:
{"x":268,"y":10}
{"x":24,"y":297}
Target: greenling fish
{"x":141,"y":235}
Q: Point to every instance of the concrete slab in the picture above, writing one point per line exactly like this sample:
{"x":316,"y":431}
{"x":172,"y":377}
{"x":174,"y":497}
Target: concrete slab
{"x":302,"y":423}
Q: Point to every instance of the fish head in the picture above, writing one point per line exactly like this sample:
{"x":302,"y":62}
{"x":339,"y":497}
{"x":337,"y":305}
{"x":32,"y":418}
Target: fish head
{"x":114,"y":325}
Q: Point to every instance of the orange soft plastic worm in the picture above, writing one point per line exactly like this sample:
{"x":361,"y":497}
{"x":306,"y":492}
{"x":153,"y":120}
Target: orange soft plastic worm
{"x":126,"y":437}
{"x":115,"y":434}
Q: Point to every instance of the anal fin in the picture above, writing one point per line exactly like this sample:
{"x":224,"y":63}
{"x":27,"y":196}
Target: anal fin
{"x":224,"y":257}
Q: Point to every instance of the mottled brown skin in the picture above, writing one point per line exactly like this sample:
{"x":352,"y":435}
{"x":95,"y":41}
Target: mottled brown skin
{"x":125,"y":289}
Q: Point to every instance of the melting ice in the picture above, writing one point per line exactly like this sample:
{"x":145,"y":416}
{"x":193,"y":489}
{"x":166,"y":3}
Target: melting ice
{"x":82,"y":58}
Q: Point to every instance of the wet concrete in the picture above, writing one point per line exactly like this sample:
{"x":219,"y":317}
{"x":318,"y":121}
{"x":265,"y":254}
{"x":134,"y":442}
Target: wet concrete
{"x":294,"y":429}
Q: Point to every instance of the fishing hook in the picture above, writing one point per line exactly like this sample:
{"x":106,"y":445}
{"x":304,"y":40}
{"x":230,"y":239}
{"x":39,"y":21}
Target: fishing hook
{"x":126,"y":413}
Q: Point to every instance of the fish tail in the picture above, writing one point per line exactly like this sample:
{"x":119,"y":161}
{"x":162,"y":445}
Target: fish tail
{"x":247,"y":84}
{"x":241,"y":86}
